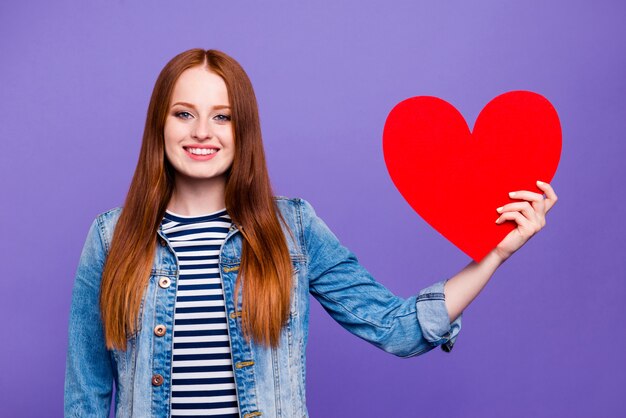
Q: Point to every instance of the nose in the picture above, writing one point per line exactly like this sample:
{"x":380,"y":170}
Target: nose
{"x":202,"y":129}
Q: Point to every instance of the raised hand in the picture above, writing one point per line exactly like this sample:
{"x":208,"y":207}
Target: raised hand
{"x":529,"y":214}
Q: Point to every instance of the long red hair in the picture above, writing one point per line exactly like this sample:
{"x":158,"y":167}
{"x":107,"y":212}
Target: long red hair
{"x":265,"y":272}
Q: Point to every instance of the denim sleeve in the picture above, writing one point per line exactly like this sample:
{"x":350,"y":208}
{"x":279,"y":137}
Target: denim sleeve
{"x":88,"y":372}
{"x":363,"y":306}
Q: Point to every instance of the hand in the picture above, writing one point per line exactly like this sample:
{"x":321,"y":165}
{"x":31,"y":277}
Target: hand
{"x":530,"y":216}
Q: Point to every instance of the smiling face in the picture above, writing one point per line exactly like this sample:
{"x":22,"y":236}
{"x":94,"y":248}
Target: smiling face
{"x":199,"y":140}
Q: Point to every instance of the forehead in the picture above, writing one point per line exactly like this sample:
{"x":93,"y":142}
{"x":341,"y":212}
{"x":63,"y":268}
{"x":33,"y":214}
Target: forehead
{"x":200,"y":86}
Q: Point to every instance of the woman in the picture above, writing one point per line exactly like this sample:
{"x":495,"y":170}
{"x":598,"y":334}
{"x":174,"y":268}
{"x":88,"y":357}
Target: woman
{"x":193,"y":299}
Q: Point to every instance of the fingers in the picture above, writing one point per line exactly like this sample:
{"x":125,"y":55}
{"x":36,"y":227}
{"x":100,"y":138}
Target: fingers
{"x":526,"y":195}
{"x":551,"y":196}
{"x":529,"y":214}
{"x":535,"y":206}
{"x":526,"y":227}
{"x":533,"y":213}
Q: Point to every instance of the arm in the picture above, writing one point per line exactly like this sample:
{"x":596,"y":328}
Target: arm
{"x":88,"y":373}
{"x":461,"y":289}
{"x":363,"y":306}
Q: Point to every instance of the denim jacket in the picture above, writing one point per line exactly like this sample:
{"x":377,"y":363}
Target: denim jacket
{"x":270,"y":382}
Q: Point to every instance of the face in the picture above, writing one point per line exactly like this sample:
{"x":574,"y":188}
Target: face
{"x":198,"y":133}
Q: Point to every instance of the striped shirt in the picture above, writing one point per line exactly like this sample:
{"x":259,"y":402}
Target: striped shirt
{"x":203,"y":384}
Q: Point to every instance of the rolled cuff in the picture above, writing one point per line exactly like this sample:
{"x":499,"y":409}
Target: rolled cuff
{"x":433,"y":318}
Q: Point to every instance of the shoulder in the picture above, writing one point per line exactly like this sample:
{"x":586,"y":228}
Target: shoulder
{"x":109,"y":218}
{"x":112,"y":213}
{"x":285,"y":200}
{"x":296,"y":214}
{"x":296,"y":207}
{"x":301,"y":215}
{"x":106,"y":222}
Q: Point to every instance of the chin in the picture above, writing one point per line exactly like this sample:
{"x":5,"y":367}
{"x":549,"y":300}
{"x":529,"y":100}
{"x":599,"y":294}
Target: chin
{"x":204,"y":176}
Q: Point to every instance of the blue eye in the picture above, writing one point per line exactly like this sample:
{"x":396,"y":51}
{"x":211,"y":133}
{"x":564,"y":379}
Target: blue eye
{"x":187,"y":115}
{"x":223,"y":117}
{"x":178,"y":114}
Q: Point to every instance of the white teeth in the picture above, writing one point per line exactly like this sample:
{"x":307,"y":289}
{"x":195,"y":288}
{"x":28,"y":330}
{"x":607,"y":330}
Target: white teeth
{"x":202,"y":151}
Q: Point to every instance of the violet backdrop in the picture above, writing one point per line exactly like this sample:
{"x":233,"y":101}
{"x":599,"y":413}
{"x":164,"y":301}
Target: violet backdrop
{"x":543,"y":339}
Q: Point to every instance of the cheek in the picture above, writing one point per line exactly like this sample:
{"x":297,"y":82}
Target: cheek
{"x":229,"y":141}
{"x":167,"y":142}
{"x":231,"y":150}
{"x":174,"y":130}
{"x":171,"y":146}
{"x":171,"y":136}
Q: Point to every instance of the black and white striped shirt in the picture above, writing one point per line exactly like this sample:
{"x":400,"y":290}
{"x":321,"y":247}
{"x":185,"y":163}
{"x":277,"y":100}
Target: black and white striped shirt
{"x":203,"y":383}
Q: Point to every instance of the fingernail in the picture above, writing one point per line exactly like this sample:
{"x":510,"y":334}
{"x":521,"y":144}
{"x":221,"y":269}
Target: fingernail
{"x":500,"y":209}
{"x":539,"y":183}
{"x":512,"y":194}
{"x":497,"y":220}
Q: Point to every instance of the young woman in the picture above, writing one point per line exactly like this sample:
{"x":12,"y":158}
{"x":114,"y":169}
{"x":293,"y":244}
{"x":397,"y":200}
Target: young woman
{"x":193,"y":296}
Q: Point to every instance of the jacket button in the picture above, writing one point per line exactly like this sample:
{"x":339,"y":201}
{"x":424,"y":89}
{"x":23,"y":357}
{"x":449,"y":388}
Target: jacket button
{"x":157,"y":380}
{"x":243,"y":364}
{"x":162,"y":241}
{"x":159,"y":330}
{"x":164,"y":282}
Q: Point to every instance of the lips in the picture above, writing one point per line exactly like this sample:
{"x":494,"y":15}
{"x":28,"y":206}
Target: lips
{"x":200,"y":156}
{"x":201,"y":147}
{"x":201,"y":150}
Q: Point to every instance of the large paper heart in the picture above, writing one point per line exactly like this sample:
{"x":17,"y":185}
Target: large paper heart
{"x":455,"y":179}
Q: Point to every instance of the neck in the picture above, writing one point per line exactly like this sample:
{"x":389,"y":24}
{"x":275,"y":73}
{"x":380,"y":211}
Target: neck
{"x":193,"y":197}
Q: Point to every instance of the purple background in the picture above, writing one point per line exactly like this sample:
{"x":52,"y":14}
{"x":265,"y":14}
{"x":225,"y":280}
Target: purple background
{"x":546,"y":336}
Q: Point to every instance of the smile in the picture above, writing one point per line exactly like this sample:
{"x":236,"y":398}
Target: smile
{"x":201,"y":154}
{"x":202,"y":151}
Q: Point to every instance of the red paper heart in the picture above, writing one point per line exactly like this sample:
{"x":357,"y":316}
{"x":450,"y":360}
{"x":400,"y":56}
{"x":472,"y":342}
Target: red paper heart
{"x":455,"y":179}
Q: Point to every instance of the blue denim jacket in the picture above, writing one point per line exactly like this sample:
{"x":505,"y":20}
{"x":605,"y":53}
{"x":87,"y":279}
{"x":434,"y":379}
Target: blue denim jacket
{"x":269,"y":381}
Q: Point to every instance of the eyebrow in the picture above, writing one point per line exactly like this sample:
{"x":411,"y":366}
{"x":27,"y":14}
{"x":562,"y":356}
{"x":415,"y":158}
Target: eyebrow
{"x":192,"y":106}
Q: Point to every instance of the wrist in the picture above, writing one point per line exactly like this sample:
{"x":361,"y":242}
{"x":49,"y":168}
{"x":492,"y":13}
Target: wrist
{"x":501,"y":254}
